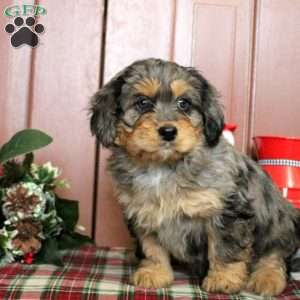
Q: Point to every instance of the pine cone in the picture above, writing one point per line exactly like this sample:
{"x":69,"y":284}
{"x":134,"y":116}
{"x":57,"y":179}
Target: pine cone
{"x":23,"y":200}
{"x":28,"y":238}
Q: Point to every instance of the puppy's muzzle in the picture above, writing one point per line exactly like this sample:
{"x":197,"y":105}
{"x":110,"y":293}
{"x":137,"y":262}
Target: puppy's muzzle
{"x":168,"y":132}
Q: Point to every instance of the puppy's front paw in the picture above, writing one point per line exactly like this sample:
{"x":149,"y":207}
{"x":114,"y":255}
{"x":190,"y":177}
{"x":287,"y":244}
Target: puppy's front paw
{"x":223,"y":282}
{"x":153,"y":276}
{"x":267,"y":282}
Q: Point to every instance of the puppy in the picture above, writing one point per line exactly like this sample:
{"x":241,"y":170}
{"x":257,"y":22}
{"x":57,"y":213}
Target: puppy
{"x":185,"y":192}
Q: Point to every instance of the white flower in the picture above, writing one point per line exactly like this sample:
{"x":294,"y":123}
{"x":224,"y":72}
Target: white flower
{"x":80,"y":227}
{"x":7,"y":259}
{"x":51,"y":169}
{"x":33,"y":169}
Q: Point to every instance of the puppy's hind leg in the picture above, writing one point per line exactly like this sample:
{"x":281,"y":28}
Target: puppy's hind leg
{"x":269,"y":276}
{"x":155,"y":270}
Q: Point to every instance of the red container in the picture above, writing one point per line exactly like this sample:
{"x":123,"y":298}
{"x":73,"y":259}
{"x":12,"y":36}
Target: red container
{"x":284,"y":176}
{"x":280,"y":158}
{"x":292,"y":195}
{"x":276,"y":147}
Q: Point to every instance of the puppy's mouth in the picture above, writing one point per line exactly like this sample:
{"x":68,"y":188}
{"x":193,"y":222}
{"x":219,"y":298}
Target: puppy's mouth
{"x":167,"y":152}
{"x":168,"y":147}
{"x":160,"y":142}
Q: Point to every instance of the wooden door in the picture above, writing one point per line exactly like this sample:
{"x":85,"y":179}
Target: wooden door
{"x":215,"y":36}
{"x":14,"y":79}
{"x":276,"y":88}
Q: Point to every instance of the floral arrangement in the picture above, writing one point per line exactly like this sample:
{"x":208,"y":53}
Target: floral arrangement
{"x":34,"y":222}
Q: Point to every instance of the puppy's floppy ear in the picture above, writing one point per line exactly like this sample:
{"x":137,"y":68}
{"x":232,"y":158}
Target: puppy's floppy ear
{"x":211,"y":109}
{"x":212,"y":114}
{"x":105,"y":108}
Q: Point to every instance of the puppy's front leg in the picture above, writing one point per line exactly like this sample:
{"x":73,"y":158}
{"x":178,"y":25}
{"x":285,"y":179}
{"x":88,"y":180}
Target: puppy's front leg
{"x":155,"y":271}
{"x":228,"y":275}
{"x":229,"y":278}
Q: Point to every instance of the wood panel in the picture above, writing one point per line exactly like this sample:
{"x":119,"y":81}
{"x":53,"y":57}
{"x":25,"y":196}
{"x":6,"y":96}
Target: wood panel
{"x":215,"y":36}
{"x":276,"y":102}
{"x":15,"y":65}
{"x":145,"y":30}
{"x":65,"y":74}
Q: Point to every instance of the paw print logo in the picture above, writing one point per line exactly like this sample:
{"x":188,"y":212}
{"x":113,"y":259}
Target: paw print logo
{"x":22,"y":34}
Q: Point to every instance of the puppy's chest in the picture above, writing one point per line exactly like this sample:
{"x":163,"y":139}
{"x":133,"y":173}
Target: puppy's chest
{"x":158,"y":184}
{"x":154,"y":200}
{"x":156,"y":197}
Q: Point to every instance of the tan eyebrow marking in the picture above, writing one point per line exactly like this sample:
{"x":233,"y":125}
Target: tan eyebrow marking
{"x":148,"y":86}
{"x":179,"y":87}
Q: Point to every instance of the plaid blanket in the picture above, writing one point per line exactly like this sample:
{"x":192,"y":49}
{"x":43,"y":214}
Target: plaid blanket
{"x":101,"y":273}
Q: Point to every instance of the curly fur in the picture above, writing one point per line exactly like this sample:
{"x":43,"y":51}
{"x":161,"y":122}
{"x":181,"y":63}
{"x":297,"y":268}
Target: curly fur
{"x":205,"y":204}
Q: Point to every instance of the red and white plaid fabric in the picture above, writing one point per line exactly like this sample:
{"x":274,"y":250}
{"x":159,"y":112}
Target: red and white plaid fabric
{"x":101,"y":273}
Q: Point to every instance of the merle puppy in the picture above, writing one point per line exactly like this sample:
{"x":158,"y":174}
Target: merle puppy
{"x":186,"y":193}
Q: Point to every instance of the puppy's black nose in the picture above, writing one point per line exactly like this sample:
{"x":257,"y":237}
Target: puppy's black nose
{"x":167,"y":133}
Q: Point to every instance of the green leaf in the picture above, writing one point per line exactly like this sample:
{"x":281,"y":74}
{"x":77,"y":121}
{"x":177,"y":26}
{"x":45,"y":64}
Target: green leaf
{"x":73,"y":240}
{"x":68,"y":210}
{"x":62,"y":183}
{"x":24,"y":142}
{"x":49,"y":253}
{"x":3,"y":241}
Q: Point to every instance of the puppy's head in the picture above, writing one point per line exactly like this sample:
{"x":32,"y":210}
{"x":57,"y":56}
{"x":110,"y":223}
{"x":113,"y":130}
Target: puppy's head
{"x":157,"y":111}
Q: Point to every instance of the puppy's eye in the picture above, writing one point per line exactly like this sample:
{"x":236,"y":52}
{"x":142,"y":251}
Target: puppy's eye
{"x":184,"y":104}
{"x":144,"y":104}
